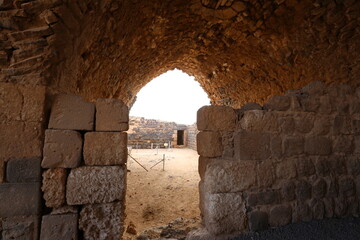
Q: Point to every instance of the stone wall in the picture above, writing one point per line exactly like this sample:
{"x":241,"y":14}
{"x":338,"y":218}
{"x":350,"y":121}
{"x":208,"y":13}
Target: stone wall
{"x":21,"y":139}
{"x":296,"y":158}
{"x":84,"y":177}
{"x":192,"y":132}
{"x":147,"y":133}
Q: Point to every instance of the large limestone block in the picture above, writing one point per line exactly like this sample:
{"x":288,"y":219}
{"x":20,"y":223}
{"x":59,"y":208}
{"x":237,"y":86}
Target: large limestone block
{"x":19,"y":199}
{"x":72,"y":112}
{"x":318,"y":146}
{"x":216,"y":118}
{"x":21,"y":103}
{"x":59,"y":227}
{"x":229,"y":176}
{"x":102,"y":221}
{"x":252,"y":145}
{"x":21,"y":227}
{"x":21,"y":140}
{"x":62,"y":148}
{"x":225,"y":213}
{"x":54,"y":181}
{"x":209,"y":144}
{"x":278,"y":103}
{"x":105,"y":148}
{"x":23,"y":170}
{"x":111,"y":115}
{"x":95,"y":185}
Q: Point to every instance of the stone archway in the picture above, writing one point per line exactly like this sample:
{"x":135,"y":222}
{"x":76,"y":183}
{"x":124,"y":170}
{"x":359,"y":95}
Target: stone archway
{"x":240,"y":52}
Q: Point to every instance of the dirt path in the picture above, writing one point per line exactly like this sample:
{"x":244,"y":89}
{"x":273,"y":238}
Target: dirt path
{"x":159,"y":197}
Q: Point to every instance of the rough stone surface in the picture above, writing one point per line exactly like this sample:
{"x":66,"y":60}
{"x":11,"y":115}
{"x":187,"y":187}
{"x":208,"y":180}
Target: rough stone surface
{"x":22,"y":227}
{"x":251,"y":146}
{"x":318,"y":146}
{"x":62,"y":148}
{"x":228,"y":176}
{"x":111,"y":115}
{"x":72,"y":112}
{"x":102,"y":221}
{"x":209,"y":144}
{"x":216,"y":118}
{"x":225,"y":213}
{"x":280,"y":215}
{"x":278,"y":103}
{"x":95,"y":185}
{"x":23,"y":170}
{"x":258,"y":221}
{"x":105,"y":148}
{"x":19,"y":199}
{"x":59,"y":227}
{"x":293,"y":146}
{"x":53,"y":186}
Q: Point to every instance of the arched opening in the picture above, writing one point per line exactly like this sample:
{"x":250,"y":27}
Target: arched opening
{"x":162,"y":181}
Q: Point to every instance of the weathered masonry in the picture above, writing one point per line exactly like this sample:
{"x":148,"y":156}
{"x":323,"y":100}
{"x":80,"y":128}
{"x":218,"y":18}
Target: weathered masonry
{"x":70,"y":69}
{"x":151,"y":133}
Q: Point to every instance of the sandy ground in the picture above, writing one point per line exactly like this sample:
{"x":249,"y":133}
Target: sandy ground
{"x":159,"y":197}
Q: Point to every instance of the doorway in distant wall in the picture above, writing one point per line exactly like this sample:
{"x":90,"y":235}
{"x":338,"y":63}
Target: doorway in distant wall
{"x":180,"y":137}
{"x":159,"y":201}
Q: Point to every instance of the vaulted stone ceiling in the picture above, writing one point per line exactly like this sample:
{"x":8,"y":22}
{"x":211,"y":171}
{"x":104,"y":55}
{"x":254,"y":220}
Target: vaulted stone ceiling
{"x":240,"y":51}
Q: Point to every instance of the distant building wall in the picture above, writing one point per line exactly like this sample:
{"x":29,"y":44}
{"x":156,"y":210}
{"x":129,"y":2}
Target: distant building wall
{"x":147,"y":133}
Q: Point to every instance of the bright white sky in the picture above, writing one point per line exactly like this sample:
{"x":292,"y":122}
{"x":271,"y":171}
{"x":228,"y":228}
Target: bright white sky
{"x":173,"y":96}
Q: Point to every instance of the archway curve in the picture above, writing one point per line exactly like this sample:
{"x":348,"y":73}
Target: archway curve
{"x":115,"y":48}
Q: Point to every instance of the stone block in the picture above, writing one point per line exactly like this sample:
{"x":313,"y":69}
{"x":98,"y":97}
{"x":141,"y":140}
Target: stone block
{"x":286,"y":125}
{"x":105,"y":148}
{"x":21,"y":140}
{"x":280,"y":215}
{"x":102,"y":221}
{"x":111,"y":115}
{"x":343,"y":144}
{"x":319,"y":188}
{"x":301,"y":212}
{"x":203,"y":162}
{"x":19,"y":199}
{"x":317,"y":207}
{"x":310,"y":103}
{"x":332,"y":187}
{"x":340,"y":206}
{"x":322,"y":166}
{"x":259,"y":120}
{"x":304,"y":123}
{"x":23,"y":170}
{"x":276,"y":146}
{"x":209,"y":144}
{"x":72,"y":112}
{"x":21,"y":227}
{"x":287,"y":190}
{"x":269,"y":197}
{"x":64,"y":210}
{"x":329,"y":207}
{"x":225,"y":213}
{"x":322,"y":126}
{"x":21,"y":103}
{"x":303,"y":190}
{"x":346,"y":186}
{"x":216,"y":118}
{"x":265,"y":173}
{"x":357,"y":144}
{"x":342,"y":125}
{"x":95,"y":185}
{"x":304,"y":167}
{"x":59,"y":227}
{"x":293,"y":146}
{"x":252,"y":145}
{"x":54,"y":181}
{"x":229,"y":176}
{"x":353,"y":165}
{"x":286,"y":169}
{"x":62,"y":148}
{"x":258,"y":221}
{"x":318,"y":146}
{"x":278,"y":103}
{"x":250,"y":106}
